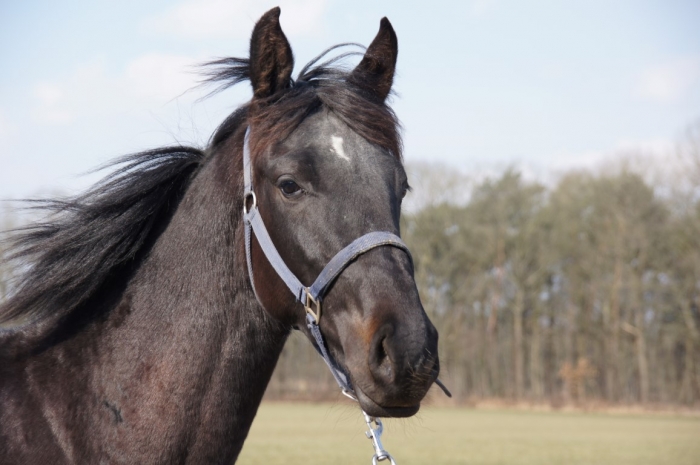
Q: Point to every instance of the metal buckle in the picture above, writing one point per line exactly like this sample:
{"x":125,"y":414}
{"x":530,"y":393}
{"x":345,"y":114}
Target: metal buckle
{"x":310,"y":303}
{"x":247,"y":196}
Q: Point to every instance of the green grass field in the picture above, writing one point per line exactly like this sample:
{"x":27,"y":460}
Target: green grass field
{"x":334,"y":433}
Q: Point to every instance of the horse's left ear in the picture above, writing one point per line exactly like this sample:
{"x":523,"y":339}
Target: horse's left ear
{"x":375,"y":73}
{"x":271,"y":58}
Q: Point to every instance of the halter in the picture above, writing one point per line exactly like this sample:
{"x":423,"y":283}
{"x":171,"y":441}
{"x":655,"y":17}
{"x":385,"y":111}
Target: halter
{"x":312,"y":296}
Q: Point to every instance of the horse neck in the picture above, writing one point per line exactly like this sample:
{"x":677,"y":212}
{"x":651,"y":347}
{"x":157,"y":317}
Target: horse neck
{"x":180,"y":364}
{"x":217,"y":347}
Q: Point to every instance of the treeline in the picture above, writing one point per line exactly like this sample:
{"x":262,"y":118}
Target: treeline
{"x":585,"y":291}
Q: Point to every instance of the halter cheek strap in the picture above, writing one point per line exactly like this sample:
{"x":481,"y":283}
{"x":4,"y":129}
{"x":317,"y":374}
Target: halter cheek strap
{"x":312,"y":296}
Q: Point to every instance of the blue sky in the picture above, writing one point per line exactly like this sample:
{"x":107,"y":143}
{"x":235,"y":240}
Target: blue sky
{"x":481,"y":84}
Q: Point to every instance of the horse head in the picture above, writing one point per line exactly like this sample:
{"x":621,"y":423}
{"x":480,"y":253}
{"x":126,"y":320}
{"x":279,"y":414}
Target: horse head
{"x":326,"y":166}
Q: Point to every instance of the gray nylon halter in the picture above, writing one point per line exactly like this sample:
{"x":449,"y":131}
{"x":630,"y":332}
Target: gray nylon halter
{"x":311,"y":296}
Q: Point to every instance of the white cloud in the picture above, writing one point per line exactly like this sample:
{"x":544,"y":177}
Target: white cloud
{"x":669,"y":82}
{"x":7,"y":127}
{"x":147,"y":81}
{"x":96,"y":112}
{"x":652,"y":147}
{"x":481,"y":8}
{"x":51,"y":104}
{"x":7,"y":130}
{"x":158,"y":76}
{"x":650,"y":158}
{"x":205,"y":19}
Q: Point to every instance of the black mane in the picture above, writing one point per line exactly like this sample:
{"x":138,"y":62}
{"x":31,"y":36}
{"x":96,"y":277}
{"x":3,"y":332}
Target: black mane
{"x":88,"y":239}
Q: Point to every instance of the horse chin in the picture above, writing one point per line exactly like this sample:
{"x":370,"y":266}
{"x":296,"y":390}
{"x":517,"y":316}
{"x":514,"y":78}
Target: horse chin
{"x":373,"y":409}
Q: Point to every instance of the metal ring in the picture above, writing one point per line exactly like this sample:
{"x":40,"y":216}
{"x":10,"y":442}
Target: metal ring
{"x":246,"y":196}
{"x":376,"y":460}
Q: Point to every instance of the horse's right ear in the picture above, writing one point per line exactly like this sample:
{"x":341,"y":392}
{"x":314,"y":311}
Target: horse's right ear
{"x":375,"y":73}
{"x":271,"y":59}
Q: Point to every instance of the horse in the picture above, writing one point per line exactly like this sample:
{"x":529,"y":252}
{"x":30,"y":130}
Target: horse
{"x":135,"y":334}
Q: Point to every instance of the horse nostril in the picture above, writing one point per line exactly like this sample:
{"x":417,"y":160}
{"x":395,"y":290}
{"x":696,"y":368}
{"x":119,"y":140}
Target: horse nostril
{"x":380,"y":361}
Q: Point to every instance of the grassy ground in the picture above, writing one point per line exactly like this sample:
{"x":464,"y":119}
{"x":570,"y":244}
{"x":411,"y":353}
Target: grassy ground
{"x":334,"y":433}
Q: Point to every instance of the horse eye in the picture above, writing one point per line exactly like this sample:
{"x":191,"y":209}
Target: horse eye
{"x":289,"y":188}
{"x":405,"y":189}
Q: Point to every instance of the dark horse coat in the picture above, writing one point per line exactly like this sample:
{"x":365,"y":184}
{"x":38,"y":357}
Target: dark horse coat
{"x":134,"y":335}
